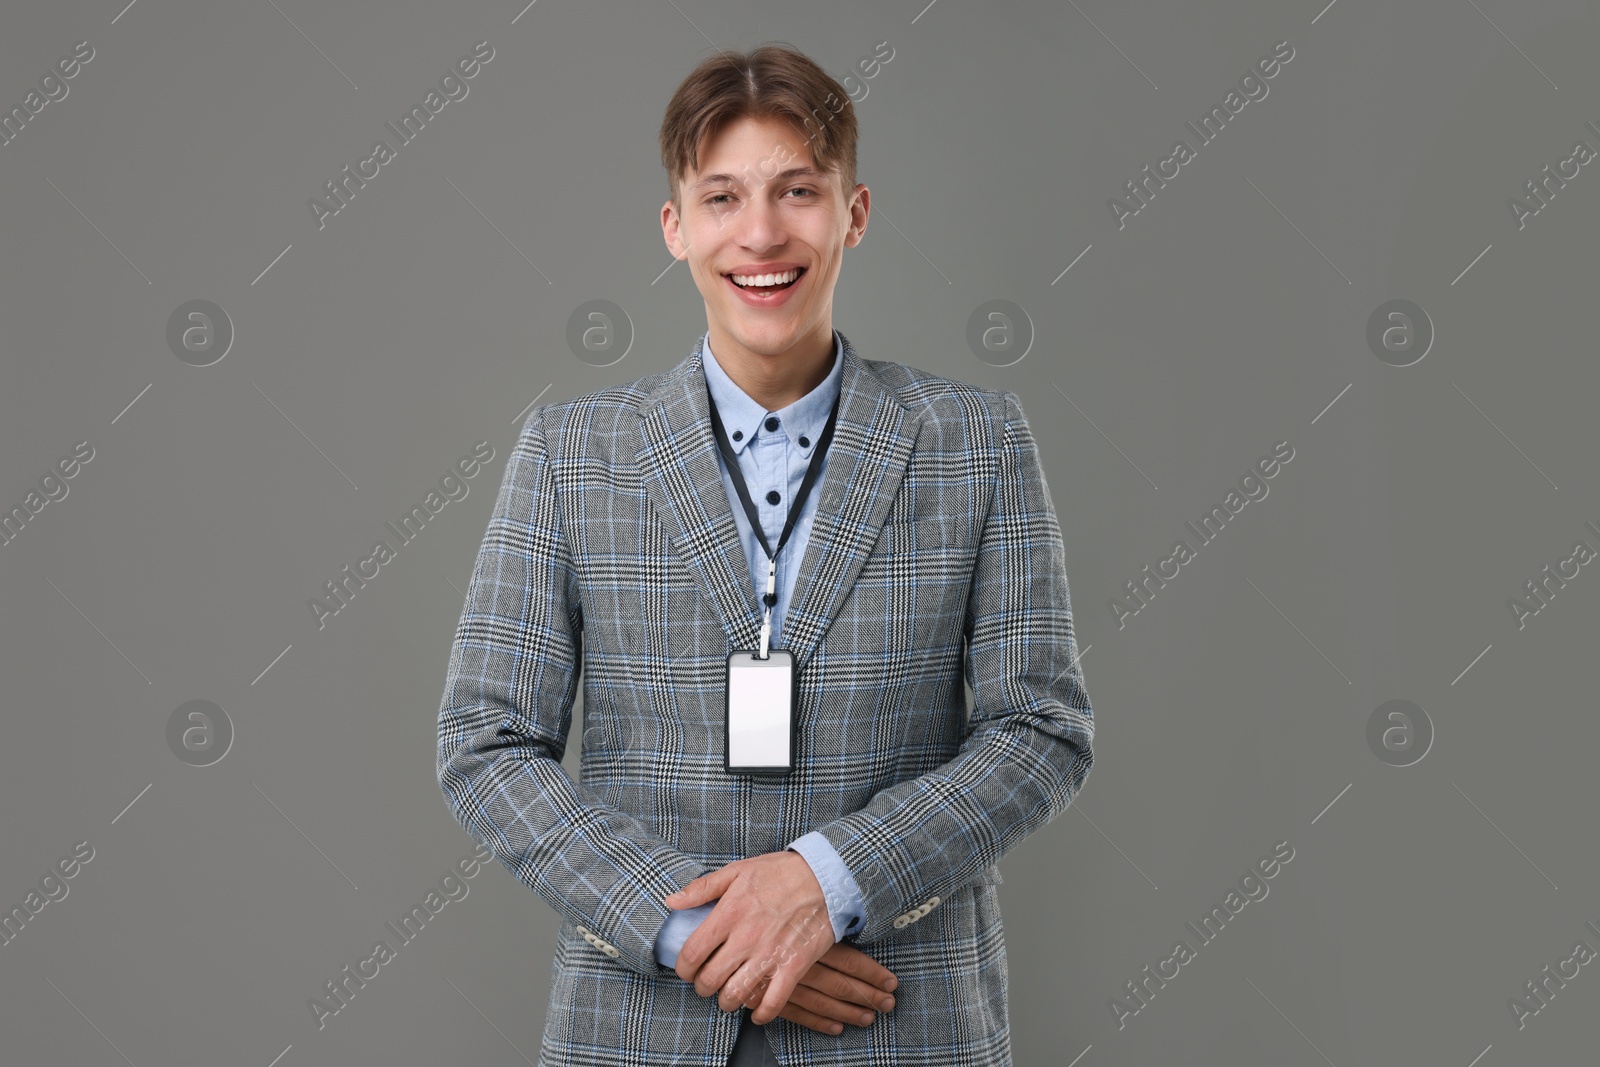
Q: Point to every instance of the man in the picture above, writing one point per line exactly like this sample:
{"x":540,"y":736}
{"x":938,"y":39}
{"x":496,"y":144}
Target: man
{"x":670,"y":538}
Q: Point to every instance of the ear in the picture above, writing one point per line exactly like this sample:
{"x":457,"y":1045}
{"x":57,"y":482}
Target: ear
{"x":670,"y":230}
{"x":860,"y":208}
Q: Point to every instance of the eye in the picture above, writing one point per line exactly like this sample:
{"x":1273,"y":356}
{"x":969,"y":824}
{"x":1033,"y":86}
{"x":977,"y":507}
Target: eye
{"x":804,"y":189}
{"x":718,"y":197}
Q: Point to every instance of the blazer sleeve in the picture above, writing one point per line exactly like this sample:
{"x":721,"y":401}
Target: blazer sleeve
{"x":504,"y":720}
{"x":1027,"y":746}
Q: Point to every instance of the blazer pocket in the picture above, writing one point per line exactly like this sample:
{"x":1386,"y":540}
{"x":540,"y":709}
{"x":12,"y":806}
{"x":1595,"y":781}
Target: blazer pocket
{"x":921,"y":535}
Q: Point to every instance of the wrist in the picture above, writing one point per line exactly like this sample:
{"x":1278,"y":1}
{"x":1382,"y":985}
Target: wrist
{"x":813,"y":888}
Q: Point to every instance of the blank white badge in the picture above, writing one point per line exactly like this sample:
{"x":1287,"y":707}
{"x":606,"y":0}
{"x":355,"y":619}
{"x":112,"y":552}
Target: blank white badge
{"x":760,"y":710}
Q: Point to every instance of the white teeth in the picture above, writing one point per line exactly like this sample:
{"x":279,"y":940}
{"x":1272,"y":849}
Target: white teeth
{"x":765,"y":279}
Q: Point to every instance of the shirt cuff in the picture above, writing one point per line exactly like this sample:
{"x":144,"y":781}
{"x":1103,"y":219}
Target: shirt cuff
{"x":846,"y":909}
{"x":676,"y":930}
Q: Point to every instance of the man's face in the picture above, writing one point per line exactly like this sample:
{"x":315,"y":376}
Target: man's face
{"x":769,"y":211}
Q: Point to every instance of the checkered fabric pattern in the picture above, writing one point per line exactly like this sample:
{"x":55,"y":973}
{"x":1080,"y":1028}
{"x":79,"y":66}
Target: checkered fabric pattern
{"x":936,"y":557}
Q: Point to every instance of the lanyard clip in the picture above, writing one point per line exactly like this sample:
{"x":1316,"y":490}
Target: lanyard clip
{"x":770,"y":599}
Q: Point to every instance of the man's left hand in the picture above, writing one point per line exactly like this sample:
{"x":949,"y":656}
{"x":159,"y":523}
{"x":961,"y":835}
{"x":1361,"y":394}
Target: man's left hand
{"x":769,"y":926}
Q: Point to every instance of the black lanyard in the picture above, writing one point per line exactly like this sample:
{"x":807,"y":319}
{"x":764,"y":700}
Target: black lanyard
{"x":771,"y":596}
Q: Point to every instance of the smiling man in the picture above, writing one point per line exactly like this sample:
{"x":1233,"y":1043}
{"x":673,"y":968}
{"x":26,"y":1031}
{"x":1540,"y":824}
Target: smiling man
{"x":778,"y":566}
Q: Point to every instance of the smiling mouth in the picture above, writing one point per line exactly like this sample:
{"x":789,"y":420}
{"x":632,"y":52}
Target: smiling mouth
{"x":769,"y":288}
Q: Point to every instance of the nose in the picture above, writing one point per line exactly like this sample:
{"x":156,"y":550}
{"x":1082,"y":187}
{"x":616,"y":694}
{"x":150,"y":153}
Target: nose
{"x":759,"y":225}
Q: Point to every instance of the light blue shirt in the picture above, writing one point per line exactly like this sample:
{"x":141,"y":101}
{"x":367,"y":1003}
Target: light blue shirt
{"x":773,"y":461}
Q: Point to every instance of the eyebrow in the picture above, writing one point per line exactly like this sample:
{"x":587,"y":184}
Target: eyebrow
{"x":783,"y":175}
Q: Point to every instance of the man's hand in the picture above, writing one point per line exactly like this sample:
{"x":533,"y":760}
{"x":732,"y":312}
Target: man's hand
{"x":769,"y":926}
{"x":838,"y":989}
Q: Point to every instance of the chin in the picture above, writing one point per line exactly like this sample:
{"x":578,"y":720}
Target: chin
{"x":766,"y":338}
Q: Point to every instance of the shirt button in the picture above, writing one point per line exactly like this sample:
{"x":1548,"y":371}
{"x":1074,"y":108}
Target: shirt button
{"x":803,"y":441}
{"x":773,"y":497}
{"x":738,"y":435}
{"x":772,"y":422}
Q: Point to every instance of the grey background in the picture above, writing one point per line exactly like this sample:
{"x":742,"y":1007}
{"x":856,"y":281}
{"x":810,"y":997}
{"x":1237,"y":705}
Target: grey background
{"x":1228,"y":315}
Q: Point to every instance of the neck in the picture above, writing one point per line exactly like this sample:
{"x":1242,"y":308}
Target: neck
{"x":778,"y":380}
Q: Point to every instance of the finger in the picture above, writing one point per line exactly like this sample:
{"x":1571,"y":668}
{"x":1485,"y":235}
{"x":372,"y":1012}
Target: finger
{"x":708,"y":886}
{"x":780,"y":987}
{"x":752,"y":998}
{"x":693,"y":955}
{"x":700,"y":947}
{"x":852,"y":961}
{"x":810,"y":1020}
{"x":718,"y":970}
{"x":746,"y":987}
{"x":830,"y":1008}
{"x":840,"y":986}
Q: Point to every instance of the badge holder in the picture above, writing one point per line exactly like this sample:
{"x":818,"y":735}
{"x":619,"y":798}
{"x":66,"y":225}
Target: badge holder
{"x":759,"y":734}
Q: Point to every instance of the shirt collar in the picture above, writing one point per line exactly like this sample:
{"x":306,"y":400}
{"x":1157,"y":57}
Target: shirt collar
{"x":743,"y":417}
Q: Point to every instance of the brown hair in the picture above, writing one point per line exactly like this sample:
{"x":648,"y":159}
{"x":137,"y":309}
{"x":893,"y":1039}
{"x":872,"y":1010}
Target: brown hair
{"x":773,"y":81}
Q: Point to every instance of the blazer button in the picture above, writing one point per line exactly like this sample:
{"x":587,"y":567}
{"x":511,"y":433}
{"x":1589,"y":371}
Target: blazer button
{"x":611,"y":950}
{"x":933,"y":902}
{"x":900,"y":921}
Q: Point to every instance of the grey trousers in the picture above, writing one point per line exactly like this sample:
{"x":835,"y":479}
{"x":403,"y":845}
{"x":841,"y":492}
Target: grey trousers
{"x":751,"y":1050}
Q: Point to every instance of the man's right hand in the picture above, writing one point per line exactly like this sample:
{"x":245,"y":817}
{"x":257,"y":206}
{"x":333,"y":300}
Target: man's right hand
{"x":845,"y":986}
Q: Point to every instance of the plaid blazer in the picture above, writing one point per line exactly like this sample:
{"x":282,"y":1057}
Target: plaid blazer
{"x":935,"y":558}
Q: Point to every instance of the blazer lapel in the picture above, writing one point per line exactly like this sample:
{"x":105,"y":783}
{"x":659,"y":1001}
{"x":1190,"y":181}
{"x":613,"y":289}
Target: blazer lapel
{"x":678,"y":464}
{"x":872,"y":443}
